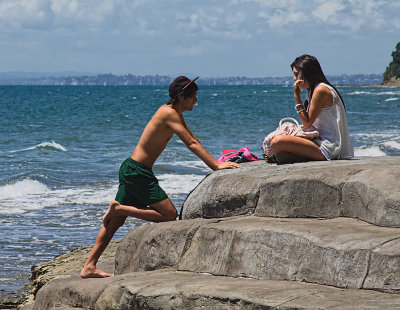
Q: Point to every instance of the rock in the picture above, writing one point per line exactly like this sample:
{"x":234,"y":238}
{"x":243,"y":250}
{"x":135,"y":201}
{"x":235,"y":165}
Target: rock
{"x":304,"y":236}
{"x":169,"y":289}
{"x":11,"y":301}
{"x":67,"y":265}
{"x":363,"y":188}
{"x":393,"y":81}
{"x":341,"y":252}
{"x":152,"y":247}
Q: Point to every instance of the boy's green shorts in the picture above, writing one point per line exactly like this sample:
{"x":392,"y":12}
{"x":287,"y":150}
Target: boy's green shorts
{"x":138,"y":186}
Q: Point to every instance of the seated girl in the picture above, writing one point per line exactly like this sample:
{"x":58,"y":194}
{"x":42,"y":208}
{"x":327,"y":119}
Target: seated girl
{"x":323,"y":109}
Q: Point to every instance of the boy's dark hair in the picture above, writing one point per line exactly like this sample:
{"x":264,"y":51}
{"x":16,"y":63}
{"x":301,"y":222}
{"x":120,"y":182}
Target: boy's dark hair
{"x":182,"y":86}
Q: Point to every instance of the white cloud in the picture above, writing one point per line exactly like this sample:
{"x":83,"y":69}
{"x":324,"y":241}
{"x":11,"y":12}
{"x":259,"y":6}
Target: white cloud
{"x":154,"y":31}
{"x":152,"y":17}
{"x":87,"y":12}
{"x":33,"y":14}
{"x":273,"y":3}
{"x":214,"y":24}
{"x":281,"y":18}
{"x":328,"y":11}
{"x":327,"y":15}
{"x":193,"y":50}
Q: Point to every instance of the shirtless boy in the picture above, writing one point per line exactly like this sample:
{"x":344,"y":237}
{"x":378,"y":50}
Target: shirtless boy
{"x":139,"y":187}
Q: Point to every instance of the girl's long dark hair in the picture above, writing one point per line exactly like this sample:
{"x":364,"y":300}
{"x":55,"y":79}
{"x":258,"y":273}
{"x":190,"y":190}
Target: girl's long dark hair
{"x":309,"y":68}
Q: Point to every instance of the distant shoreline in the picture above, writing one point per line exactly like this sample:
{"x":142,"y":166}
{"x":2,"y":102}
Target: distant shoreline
{"x":158,"y":80}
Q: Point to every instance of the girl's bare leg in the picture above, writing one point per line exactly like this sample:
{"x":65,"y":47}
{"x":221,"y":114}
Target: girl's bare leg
{"x":297,"y":146}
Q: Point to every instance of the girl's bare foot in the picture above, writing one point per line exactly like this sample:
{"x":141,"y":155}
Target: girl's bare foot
{"x":110,"y":212}
{"x":87,"y":273}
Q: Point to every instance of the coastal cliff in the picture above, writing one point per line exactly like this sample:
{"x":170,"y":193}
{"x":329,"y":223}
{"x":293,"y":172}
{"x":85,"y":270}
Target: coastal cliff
{"x":393,"y":81}
{"x":310,"y":235}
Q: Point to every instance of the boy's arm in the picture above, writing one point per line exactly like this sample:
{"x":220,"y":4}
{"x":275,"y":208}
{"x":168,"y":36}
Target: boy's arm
{"x":178,"y":125}
{"x":187,"y":128}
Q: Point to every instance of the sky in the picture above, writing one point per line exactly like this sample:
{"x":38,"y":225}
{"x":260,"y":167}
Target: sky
{"x":253,"y":38}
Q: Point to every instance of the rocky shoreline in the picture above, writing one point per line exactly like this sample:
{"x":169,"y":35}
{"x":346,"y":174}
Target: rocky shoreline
{"x":392,"y":82}
{"x":310,"y":235}
{"x":62,"y":266}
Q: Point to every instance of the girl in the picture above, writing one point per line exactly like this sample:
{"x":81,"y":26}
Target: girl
{"x":324,"y":109}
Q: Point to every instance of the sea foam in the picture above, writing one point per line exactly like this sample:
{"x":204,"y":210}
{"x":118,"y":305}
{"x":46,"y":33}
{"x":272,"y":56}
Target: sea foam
{"x":392,"y":144}
{"x":369,"y":151}
{"x":22,"y":188}
{"x":178,"y":184}
{"x":357,"y":93}
{"x":29,"y":195}
{"x":44,"y":145}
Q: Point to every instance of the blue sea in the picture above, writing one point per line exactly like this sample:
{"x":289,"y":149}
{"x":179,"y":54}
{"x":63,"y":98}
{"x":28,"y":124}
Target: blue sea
{"x":61,"y":148}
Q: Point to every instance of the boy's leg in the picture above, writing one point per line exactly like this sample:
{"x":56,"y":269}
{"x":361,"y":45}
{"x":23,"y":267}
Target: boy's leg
{"x":114,"y":218}
{"x":103,"y":239}
{"x":162,"y":211}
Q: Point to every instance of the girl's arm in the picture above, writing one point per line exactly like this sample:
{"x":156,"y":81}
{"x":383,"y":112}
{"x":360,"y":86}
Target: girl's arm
{"x":322,"y":98}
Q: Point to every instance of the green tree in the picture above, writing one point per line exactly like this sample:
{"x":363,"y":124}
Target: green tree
{"x":393,"y":70}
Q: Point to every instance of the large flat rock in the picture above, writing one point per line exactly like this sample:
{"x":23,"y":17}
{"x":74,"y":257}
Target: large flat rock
{"x":341,"y":252}
{"x":316,"y":235}
{"x":363,"y":188}
{"x":169,"y":289}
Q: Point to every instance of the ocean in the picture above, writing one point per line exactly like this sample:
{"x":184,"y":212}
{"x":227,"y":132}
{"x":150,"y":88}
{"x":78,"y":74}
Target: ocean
{"x":61,"y":148}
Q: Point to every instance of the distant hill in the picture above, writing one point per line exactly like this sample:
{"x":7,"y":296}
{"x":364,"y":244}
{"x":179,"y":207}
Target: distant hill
{"x":15,"y":78}
{"x":392,"y":72}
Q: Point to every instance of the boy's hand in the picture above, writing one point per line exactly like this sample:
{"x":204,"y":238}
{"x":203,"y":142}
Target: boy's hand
{"x":227,"y":165}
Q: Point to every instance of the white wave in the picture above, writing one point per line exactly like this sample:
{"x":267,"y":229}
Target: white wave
{"x":390,"y":93}
{"x":177,"y":184}
{"x":378,"y":136}
{"x":373,"y":151}
{"x":44,"y":145}
{"x":29,"y":195}
{"x":360,"y":93}
{"x":197,"y":164}
{"x":22,"y":188}
{"x":392,"y":144}
{"x":392,"y":99}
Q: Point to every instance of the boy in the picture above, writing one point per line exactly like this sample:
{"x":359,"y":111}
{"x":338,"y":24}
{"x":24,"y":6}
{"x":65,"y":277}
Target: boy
{"x":138,"y":186}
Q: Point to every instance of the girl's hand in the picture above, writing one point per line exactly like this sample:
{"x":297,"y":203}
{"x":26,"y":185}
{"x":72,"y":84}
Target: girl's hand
{"x":297,"y":86}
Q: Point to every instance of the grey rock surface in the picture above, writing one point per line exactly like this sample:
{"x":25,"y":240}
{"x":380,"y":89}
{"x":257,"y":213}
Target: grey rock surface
{"x":156,"y":246}
{"x":169,"y":289}
{"x":362,"y":188}
{"x":341,"y":252}
{"x":66,"y":265}
{"x":315,"y":235}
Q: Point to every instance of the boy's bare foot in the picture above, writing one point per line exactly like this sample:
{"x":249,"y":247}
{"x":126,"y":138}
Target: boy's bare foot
{"x":110,"y":212}
{"x":87,"y":273}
